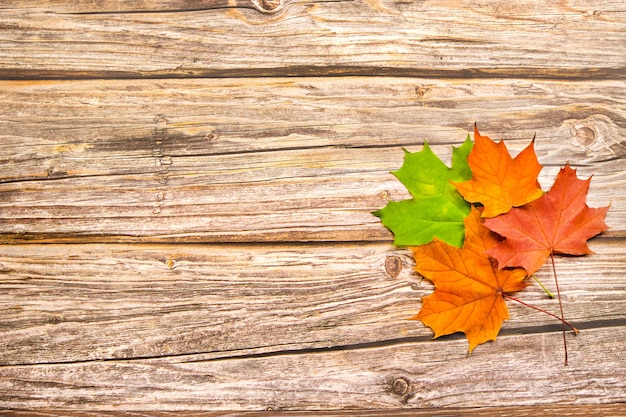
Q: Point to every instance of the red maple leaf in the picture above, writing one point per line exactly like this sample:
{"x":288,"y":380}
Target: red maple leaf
{"x":557,"y":222}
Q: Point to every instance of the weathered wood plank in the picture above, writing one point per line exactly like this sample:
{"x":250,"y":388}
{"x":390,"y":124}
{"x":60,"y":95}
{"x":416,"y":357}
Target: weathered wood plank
{"x":580,"y":410}
{"x":517,"y":370}
{"x":67,"y":303}
{"x":254,"y":160}
{"x":54,"y":39}
{"x":145,"y":6}
{"x":65,"y":121}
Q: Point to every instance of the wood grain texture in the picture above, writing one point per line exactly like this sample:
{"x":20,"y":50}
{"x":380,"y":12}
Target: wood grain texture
{"x":595,"y":410}
{"x":115,"y":39}
{"x":100,"y":302}
{"x":146,"y":6}
{"x":272,"y":160}
{"x":529,"y":371}
{"x":187,"y":187}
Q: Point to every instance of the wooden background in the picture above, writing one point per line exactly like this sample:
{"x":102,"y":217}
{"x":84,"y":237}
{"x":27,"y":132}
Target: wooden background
{"x":186,"y":191}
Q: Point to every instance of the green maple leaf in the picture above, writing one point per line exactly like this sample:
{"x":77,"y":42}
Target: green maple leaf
{"x":437,"y":208}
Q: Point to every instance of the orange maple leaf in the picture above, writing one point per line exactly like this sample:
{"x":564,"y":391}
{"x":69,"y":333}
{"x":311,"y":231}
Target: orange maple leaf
{"x":558,"y":222}
{"x":469,"y":288}
{"x":500,"y":182}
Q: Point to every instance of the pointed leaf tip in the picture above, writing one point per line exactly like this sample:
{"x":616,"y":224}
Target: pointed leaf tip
{"x":468,"y":286}
{"x":557,"y":222}
{"x":436,"y":209}
{"x":500,"y":182}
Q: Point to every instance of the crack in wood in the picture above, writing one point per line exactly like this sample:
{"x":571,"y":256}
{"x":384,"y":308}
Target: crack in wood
{"x":162,"y":161}
{"x":192,"y":357}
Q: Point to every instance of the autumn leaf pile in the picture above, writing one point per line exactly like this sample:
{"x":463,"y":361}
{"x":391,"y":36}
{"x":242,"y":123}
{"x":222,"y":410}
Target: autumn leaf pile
{"x":480,"y":227}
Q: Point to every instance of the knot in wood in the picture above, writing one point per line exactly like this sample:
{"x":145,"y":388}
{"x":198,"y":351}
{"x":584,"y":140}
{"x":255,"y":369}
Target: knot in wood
{"x":585,"y":136}
{"x":56,"y":319}
{"x":210,"y":134}
{"x":393,"y":266}
{"x":400,"y":386}
{"x":267,"y":6}
{"x":420,"y":91}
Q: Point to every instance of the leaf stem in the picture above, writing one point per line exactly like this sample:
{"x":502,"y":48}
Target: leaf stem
{"x":517,"y":300}
{"x":543,"y":286}
{"x":560,"y":306}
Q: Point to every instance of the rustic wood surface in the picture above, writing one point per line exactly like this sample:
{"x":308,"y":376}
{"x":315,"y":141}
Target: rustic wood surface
{"x":225,"y":38}
{"x":595,"y":410}
{"x":152,"y":300}
{"x":278,"y":159}
{"x":186,"y":191}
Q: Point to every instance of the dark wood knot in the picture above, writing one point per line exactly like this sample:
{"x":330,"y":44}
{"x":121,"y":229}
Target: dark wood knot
{"x":267,"y":6}
{"x":421,"y":91}
{"x":393,"y":266}
{"x":400,"y":386}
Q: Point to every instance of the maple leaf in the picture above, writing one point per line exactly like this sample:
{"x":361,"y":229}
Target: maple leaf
{"x":558,"y":222}
{"x":500,"y":182}
{"x":469,"y":287}
{"x":437,"y":208}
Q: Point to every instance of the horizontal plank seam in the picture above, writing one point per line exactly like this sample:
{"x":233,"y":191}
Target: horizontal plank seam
{"x":595,"y":409}
{"x":552,"y":74}
{"x":128,"y":239}
{"x":617,"y":241}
